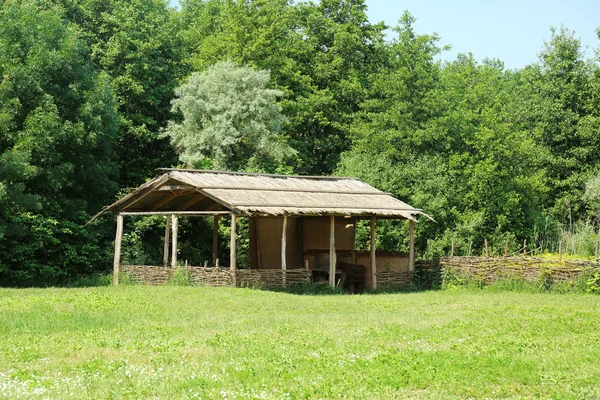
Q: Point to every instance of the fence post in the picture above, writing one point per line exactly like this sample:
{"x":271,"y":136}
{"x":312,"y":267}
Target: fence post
{"x":524,"y":247}
{"x":597,"y":245}
{"x":470,"y":246}
{"x":487,"y":254}
{"x":452,"y":249}
{"x":506,"y":248}
{"x":560,"y":250}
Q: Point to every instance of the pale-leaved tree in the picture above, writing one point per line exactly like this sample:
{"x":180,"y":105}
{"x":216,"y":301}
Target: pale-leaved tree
{"x":231,"y":120}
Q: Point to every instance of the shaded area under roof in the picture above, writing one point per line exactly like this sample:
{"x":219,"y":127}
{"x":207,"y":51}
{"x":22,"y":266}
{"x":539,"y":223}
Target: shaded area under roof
{"x":261,"y":195}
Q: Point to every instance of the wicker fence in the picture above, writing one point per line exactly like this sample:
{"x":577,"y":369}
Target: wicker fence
{"x":391,"y":279}
{"x":203,"y":276}
{"x":490,"y":269}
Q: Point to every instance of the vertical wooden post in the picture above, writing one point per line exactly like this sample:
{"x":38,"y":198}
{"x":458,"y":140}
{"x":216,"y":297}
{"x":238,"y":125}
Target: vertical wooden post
{"x":452,"y":249}
{"x":373,"y":249}
{"x":332,"y":251}
{"x":354,"y":243}
{"x":215,"y":246}
{"x":506,"y":248}
{"x":283,"y":249}
{"x":233,"y":253}
{"x":174,"y":228}
{"x":253,"y":243}
{"x":167,"y":239}
{"x":597,"y":246}
{"x":525,"y":247}
{"x":560,"y":249}
{"x":487,"y":254}
{"x":470,"y":247}
{"x":411,"y":252}
{"x":117,"y":259}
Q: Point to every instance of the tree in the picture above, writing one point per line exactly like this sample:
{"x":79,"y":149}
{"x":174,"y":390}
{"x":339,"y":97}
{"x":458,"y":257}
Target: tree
{"x":565,"y":120}
{"x":58,"y":128}
{"x":230,"y":120}
{"x":320,"y":55}
{"x":136,"y":43}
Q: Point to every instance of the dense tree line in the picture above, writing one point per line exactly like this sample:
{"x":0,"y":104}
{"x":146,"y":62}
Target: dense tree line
{"x":93,"y":99}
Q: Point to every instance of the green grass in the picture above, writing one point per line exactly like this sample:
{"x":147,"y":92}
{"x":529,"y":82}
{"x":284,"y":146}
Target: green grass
{"x":192,"y":342}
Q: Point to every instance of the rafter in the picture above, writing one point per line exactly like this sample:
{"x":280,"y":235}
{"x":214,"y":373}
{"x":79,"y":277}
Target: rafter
{"x":191,"y":202}
{"x":163,"y":201}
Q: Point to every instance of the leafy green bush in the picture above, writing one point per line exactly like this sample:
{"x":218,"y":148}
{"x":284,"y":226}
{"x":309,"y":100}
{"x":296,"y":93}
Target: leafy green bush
{"x":181,"y":277}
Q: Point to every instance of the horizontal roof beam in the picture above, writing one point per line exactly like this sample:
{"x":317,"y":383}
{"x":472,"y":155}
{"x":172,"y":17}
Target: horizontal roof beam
{"x":188,"y":213}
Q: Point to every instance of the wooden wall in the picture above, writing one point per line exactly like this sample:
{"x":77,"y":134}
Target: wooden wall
{"x":265,"y":243}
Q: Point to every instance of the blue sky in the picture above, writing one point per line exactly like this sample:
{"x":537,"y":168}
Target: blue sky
{"x":512,"y":31}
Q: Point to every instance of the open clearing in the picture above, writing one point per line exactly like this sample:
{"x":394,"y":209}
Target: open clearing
{"x":194,"y":342}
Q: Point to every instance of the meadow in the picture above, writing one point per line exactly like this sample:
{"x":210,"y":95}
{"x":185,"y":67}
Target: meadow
{"x":201,"y":342}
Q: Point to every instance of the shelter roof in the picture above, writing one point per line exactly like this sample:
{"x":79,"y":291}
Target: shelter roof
{"x":181,"y":190}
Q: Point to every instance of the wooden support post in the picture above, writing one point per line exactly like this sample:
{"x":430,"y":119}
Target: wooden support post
{"x":597,"y":246}
{"x":487,"y":254}
{"x":167,"y":240}
{"x":560,"y":249}
{"x":215,"y":245}
{"x":174,"y":228}
{"x":452,"y":249}
{"x":411,"y":252}
{"x":470,"y":247}
{"x":117,"y":259}
{"x":525,"y":247}
{"x":283,"y":249}
{"x":332,"y":251}
{"x":233,"y":253}
{"x":506,"y":248}
{"x":373,"y":249}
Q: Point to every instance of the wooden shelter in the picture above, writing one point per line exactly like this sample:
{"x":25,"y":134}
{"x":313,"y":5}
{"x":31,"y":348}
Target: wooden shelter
{"x":300,"y":227}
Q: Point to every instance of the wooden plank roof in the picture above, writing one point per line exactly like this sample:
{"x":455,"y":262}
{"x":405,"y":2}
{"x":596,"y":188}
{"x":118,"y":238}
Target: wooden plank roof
{"x":261,"y":195}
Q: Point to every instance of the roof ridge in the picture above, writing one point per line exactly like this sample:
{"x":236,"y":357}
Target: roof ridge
{"x":210,"y":171}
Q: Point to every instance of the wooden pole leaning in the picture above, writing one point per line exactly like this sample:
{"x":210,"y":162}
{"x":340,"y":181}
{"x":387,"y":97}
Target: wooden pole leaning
{"x":167,"y":240}
{"x":174,"y":229}
{"x":373,"y":249}
{"x":332,"y":251}
{"x":215,"y":244}
{"x":233,"y":253}
{"x":117,"y":259}
{"x":284,"y":249}
{"x":411,"y":252}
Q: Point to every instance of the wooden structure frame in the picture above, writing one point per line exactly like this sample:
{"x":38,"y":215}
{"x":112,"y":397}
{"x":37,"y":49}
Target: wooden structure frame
{"x":199,"y":193}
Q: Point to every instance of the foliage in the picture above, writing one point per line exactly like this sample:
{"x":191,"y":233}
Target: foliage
{"x":86,"y":88}
{"x":230,"y":120}
{"x":136,"y":43}
{"x":58,"y":129}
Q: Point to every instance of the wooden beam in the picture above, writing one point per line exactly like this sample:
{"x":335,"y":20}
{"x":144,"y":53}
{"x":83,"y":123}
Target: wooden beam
{"x":411,"y":253}
{"x":169,"y":188}
{"x":284,"y":247}
{"x":117,"y":259}
{"x":233,"y":254}
{"x":186,"y":213}
{"x":191,"y":202}
{"x":215,"y":244}
{"x":167,"y":240}
{"x":174,"y":227}
{"x":373,"y":249}
{"x":252,"y":237}
{"x":332,"y":251}
{"x":354,"y":242}
{"x":163,"y":201}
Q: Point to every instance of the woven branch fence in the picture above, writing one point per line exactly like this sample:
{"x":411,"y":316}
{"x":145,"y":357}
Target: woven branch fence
{"x":391,"y":279}
{"x":204,"y":276}
{"x":493,"y":269}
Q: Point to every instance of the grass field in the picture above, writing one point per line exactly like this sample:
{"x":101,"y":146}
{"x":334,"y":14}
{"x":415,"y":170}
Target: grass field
{"x":191,"y":342}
